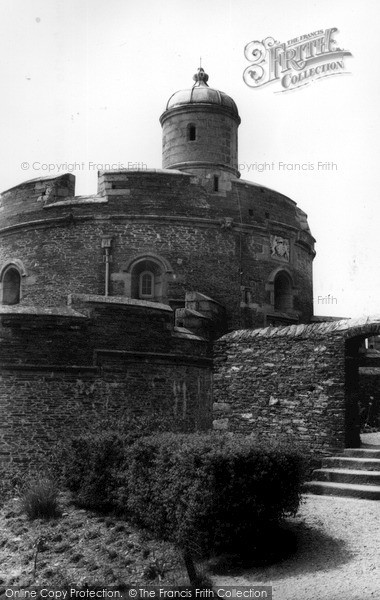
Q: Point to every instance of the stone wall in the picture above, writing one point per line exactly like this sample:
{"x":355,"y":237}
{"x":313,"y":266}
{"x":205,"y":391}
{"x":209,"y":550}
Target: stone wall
{"x":61,"y":370}
{"x":217,"y":244}
{"x":216,"y":137}
{"x":290,"y":383}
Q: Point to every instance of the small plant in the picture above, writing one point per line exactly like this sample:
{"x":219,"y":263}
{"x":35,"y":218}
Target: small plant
{"x":11,"y":478}
{"x":39,"y":499}
{"x":40,"y":546}
{"x":156,"y":569}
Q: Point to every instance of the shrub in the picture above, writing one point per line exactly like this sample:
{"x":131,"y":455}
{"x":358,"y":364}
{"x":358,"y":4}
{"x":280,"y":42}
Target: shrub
{"x":89,"y":468}
{"x":215,"y":490}
{"x":39,"y":499}
{"x":218,"y":492}
{"x":89,"y":464}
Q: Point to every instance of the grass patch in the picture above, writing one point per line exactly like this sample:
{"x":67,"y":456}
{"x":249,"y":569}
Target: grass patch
{"x":39,"y":499}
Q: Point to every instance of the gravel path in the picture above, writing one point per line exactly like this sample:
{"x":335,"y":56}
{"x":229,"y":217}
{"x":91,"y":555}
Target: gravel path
{"x":337,"y":557}
{"x":370,"y":438}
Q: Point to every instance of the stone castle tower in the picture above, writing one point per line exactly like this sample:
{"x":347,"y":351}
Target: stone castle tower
{"x":209,"y":119}
{"x":120,"y":294}
{"x":193,"y":226}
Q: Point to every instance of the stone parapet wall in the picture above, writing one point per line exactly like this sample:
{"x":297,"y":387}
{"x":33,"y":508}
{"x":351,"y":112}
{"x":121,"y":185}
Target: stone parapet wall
{"x":61,"y":372}
{"x":281,"y":388}
{"x":299,"y":383}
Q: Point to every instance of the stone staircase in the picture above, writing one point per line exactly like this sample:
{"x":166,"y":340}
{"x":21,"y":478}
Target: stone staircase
{"x":356,"y":474}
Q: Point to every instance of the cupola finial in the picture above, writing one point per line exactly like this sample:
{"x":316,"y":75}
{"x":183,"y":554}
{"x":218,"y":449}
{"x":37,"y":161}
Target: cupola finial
{"x":200,"y":77}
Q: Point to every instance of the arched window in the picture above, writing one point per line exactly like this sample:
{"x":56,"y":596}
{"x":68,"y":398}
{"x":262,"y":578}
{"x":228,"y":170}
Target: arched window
{"x":191,"y":132}
{"x":11,"y":281}
{"x":147,"y":278}
{"x":146,"y":284}
{"x":283,"y":294}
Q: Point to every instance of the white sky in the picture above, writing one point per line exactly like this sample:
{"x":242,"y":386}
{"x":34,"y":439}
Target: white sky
{"x":86,"y":81}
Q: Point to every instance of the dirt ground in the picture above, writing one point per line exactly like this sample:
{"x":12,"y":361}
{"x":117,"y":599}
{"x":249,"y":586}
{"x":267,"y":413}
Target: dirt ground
{"x":371,"y":439}
{"x":335,"y":555}
{"x":81,"y":547}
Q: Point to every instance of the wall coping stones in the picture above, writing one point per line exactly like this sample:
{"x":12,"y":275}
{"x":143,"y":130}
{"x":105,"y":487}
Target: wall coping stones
{"x":193,"y":313}
{"x":144,"y":172}
{"x":49,"y":368}
{"x":78,"y":200}
{"x":323,"y":319}
{"x":182,"y":332}
{"x":36,"y":179}
{"x":117,"y":300}
{"x":246,"y":182}
{"x":100,"y":174}
{"x":344,"y":328}
{"x":198,"y":296}
{"x":39,"y":311}
{"x":135,"y":356}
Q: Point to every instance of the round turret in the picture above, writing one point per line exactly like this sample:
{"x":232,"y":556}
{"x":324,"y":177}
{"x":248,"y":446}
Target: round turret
{"x":200,"y":133}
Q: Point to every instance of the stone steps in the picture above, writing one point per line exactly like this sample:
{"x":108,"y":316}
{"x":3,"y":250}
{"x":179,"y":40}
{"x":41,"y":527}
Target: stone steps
{"x":355,"y":474}
{"x":349,"y":462}
{"x":368,"y":492}
{"x":362,"y":452}
{"x":347,"y":476}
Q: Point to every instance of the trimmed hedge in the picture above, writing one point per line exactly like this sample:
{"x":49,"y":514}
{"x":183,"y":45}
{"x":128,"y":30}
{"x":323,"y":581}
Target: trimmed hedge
{"x":89,"y":467}
{"x":212,"y":491}
{"x":215,"y":491}
{"x":90,"y":464}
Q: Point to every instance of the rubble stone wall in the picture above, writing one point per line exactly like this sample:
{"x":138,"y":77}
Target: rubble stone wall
{"x":289,"y":383}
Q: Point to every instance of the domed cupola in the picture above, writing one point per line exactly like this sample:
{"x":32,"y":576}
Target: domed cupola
{"x":200,"y":133}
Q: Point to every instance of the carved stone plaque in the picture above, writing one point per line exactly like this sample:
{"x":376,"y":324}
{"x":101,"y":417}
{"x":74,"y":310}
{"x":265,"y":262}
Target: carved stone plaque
{"x":279,"y":247}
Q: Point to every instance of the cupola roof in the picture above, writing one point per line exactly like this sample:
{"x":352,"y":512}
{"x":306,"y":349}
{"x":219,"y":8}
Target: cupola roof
{"x":201,"y":93}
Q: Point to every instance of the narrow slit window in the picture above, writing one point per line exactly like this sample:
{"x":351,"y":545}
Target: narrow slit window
{"x":216,"y":183}
{"x":191,"y":133}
